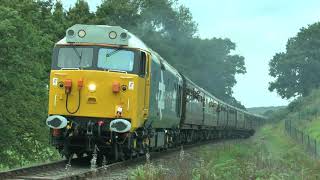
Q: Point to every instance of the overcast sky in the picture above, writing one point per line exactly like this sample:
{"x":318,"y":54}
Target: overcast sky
{"x":259,"y":29}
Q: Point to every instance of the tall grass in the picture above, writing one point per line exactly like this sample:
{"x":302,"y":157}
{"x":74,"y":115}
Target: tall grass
{"x":305,"y":114}
{"x":269,"y":155}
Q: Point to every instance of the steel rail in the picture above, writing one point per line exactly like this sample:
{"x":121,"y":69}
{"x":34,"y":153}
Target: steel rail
{"x":49,"y":171}
{"x":13,"y":173}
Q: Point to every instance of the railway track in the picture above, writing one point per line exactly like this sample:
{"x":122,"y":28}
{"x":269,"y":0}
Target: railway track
{"x":15,"y":173}
{"x":80,"y":169}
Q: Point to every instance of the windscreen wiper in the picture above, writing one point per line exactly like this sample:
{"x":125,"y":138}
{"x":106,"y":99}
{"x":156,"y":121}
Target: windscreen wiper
{"x":78,"y":54}
{"x":113,"y":52}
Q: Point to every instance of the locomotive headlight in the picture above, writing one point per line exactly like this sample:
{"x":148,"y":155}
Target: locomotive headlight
{"x":112,"y":35}
{"x":81,"y":33}
{"x":92,"y":87}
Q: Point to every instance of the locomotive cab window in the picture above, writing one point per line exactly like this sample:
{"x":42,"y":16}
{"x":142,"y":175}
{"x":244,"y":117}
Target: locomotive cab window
{"x":97,"y":58}
{"x":116,"y":59}
{"x":74,"y":57}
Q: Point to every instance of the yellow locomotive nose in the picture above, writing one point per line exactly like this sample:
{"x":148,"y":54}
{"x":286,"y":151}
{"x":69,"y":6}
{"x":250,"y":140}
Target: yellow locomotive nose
{"x":97,"y":94}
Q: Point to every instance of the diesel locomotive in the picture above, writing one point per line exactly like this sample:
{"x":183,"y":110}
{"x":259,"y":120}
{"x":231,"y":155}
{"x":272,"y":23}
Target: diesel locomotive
{"x":110,"y":93}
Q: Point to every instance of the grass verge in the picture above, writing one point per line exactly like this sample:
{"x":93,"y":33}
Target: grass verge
{"x":270,"y":154}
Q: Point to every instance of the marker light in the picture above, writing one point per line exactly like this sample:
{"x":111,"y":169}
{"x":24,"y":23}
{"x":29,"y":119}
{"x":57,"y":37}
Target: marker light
{"x":81,"y":33}
{"x":56,"y":132}
{"x":92,"y":87}
{"x":115,"y":87}
{"x":80,"y":84}
{"x":71,"y":32}
{"x":100,"y":123}
{"x":112,"y":35}
{"x":123,"y":35}
{"x":68,"y":85}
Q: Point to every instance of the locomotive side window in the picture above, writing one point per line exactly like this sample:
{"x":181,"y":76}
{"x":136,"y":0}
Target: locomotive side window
{"x":75,"y":57}
{"x":143,"y":64}
{"x":116,"y":59}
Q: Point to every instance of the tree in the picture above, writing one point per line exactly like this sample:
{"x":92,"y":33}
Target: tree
{"x":124,"y":13}
{"x":170,"y":20}
{"x":80,"y":14}
{"x":59,"y":18}
{"x":211,"y":66}
{"x":24,"y":59}
{"x":296,"y":71}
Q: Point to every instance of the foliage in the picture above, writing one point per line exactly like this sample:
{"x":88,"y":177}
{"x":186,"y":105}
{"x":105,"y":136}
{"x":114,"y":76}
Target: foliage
{"x":265,"y":110}
{"x":29,"y":29}
{"x":304,"y":116}
{"x":269,"y":155}
{"x":304,"y":113}
{"x":124,"y":13}
{"x":25,"y":52}
{"x":296,"y":71}
{"x":148,"y":171}
{"x":80,"y":14}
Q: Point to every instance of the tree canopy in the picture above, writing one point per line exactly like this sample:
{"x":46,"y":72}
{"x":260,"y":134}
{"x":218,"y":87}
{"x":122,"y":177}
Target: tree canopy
{"x":24,"y":56}
{"x":296,"y":71}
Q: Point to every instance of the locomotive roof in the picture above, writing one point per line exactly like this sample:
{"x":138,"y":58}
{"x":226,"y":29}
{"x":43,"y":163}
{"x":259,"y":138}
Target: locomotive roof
{"x":102,"y":34}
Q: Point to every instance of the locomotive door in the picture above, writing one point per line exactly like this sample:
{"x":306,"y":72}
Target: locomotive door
{"x":145,"y":66}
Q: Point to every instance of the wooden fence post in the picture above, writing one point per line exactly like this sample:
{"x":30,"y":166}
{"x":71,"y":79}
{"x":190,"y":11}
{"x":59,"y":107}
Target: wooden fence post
{"x":290,"y":128}
{"x":286,"y":126}
{"x":315,"y":148}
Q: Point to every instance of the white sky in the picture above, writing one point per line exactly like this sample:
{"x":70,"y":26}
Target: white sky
{"x":259,"y":29}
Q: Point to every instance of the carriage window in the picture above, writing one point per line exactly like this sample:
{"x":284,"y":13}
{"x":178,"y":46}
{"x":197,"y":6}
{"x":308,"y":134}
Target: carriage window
{"x":116,"y":59}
